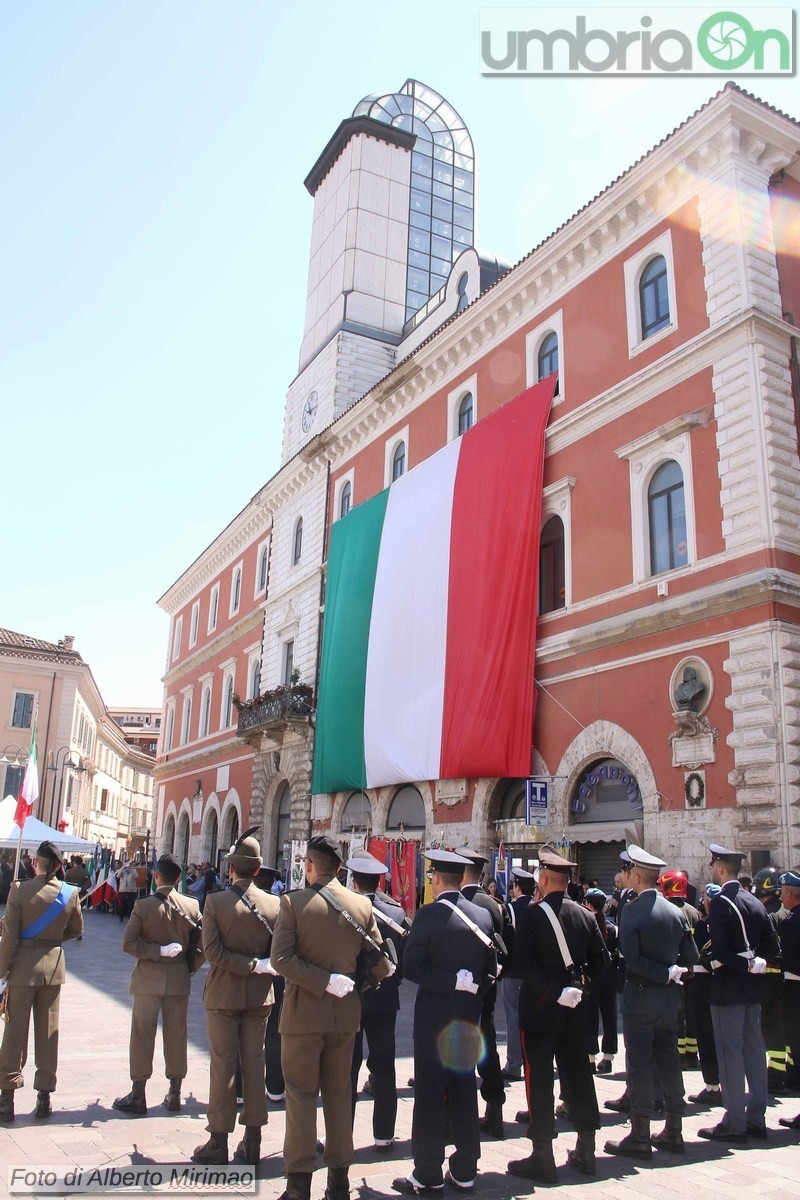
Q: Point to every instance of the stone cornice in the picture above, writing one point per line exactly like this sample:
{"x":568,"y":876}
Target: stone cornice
{"x":676,"y":612}
{"x":194,"y":757}
{"x":188,"y":666}
{"x":248,"y":526}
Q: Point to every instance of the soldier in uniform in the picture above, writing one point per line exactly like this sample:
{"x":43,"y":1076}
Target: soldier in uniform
{"x":558,"y":948}
{"x":237,"y":935}
{"x":767,"y":889}
{"x":163,"y":935}
{"x":450,"y":954}
{"x":379,"y":1006}
{"x":659,"y":949}
{"x":41,"y":913}
{"x":77,"y":875}
{"x":316,"y":946}
{"x":742,"y":942}
{"x":790,"y":950}
{"x":523,"y":886}
{"x":492,"y":1087}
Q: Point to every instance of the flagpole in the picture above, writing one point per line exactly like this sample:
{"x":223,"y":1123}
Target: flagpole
{"x":28,"y":775}
{"x":18,"y":857}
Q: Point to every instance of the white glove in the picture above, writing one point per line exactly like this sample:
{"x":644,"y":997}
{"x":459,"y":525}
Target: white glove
{"x":340,"y":986}
{"x":676,"y":974}
{"x":570,"y":997}
{"x":171,"y":950}
{"x":758,"y":966}
{"x":392,"y":969}
{"x":3,"y":984}
{"x":264,"y":967}
{"x":465,"y":982}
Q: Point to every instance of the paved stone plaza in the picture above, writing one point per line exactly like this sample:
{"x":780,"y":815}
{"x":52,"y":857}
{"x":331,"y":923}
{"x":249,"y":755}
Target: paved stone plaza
{"x":93,"y":1069}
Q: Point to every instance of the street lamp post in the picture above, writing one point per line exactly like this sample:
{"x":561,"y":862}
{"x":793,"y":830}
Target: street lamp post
{"x":53,"y":765}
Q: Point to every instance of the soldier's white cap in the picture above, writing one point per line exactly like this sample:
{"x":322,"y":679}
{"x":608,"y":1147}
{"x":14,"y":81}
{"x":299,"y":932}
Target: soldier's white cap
{"x":364,"y":863}
{"x":520,"y":873}
{"x":723,"y":853}
{"x":447,"y":861}
{"x":475,"y":857}
{"x":640,"y":858}
{"x":625,"y":860}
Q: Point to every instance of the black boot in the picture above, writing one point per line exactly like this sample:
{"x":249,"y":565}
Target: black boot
{"x":298,"y":1186}
{"x":135,"y":1101}
{"x":540,"y":1165}
{"x":623,"y":1105}
{"x":637,"y":1142}
{"x":249,"y":1148}
{"x":7,"y":1104}
{"x":671,"y":1136}
{"x":43,"y":1108}
{"x":582,"y":1157}
{"x":214,"y":1152}
{"x":492,"y":1122}
{"x":338,"y":1186}
{"x":172,"y":1100}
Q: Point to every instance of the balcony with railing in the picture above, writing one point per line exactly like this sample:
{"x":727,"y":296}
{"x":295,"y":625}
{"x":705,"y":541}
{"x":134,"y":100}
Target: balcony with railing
{"x":274,"y":713}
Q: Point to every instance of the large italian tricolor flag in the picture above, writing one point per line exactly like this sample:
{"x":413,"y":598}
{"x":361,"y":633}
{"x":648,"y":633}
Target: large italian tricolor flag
{"x":430,"y":614}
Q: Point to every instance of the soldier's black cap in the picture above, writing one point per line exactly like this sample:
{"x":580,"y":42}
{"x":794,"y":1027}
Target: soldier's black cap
{"x":51,"y":851}
{"x":735,"y":857}
{"x":551,"y":860}
{"x":266,"y":876}
{"x":322,"y":844}
{"x":167,"y":860}
{"x":475,"y":857}
{"x":364,"y":863}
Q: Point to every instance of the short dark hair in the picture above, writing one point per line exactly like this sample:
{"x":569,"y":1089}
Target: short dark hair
{"x":325,"y":861}
{"x":245,"y":872}
{"x":169,"y":872}
{"x":366,"y":883}
{"x":449,"y":877}
{"x":526,"y":886}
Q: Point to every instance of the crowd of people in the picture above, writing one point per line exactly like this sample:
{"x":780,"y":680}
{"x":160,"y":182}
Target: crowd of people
{"x":298,"y":982}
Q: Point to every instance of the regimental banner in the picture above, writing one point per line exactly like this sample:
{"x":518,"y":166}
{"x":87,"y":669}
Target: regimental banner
{"x":430,"y":614}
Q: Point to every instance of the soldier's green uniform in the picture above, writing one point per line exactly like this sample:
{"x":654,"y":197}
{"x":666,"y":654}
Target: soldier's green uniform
{"x":41,"y":913}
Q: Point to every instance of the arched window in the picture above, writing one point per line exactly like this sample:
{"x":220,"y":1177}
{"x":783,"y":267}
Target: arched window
{"x":551,"y":567}
{"x":168,"y":841}
{"x":232,"y":827}
{"x":345,"y":499}
{"x":170,"y":731}
{"x":211,"y":838}
{"x":357,"y":813}
{"x":606,"y":791}
{"x":399,"y":461}
{"x":666,"y":512}
{"x":263,"y":568}
{"x":466,"y":413}
{"x":547,"y":361}
{"x":283,"y":820}
{"x":297,"y":548}
{"x":512,"y":804}
{"x":407,"y":810}
{"x":227,"y":711}
{"x":654,"y":296}
{"x":236,"y":590}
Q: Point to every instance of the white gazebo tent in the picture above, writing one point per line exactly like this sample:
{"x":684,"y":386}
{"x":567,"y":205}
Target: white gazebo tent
{"x":35,"y":832}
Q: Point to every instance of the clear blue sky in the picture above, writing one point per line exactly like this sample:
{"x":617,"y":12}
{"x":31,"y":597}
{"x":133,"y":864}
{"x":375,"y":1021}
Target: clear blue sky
{"x":155,"y":236}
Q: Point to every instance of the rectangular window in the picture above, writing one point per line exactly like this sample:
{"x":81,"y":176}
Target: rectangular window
{"x":14,"y":778}
{"x":176,"y":638}
{"x":236,"y":591}
{"x":288,"y":662}
{"x":213,"y":608}
{"x":104,"y":800}
{"x":187,"y":718}
{"x":23,"y":710}
{"x":205,"y":712}
{"x":195,"y":623}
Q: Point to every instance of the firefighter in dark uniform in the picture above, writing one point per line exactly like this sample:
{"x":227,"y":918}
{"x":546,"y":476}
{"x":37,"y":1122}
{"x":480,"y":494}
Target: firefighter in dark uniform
{"x":699,"y":999}
{"x":767,"y":889}
{"x":790,"y":950}
{"x":379,"y":1006}
{"x":675,"y":888}
{"x":41,"y":913}
{"x":659,"y":949}
{"x":558,"y":950}
{"x":742,"y":942}
{"x":492,"y":1087}
{"x":450,"y":954}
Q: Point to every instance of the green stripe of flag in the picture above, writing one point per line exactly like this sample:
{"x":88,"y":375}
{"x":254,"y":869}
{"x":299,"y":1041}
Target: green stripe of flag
{"x":352,"y":565}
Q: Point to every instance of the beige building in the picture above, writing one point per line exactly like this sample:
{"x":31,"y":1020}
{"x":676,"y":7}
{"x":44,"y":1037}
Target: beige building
{"x":91,"y":779}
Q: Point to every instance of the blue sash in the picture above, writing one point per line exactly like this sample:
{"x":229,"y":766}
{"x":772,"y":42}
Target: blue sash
{"x":50,"y":913}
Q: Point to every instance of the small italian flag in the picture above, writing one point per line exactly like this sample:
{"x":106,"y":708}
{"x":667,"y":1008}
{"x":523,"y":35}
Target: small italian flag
{"x":29,"y":792}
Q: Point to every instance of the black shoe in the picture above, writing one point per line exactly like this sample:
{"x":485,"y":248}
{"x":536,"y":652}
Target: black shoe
{"x":407,"y":1187}
{"x":718,"y":1133}
{"x":759,"y":1132}
{"x":623,"y":1105}
{"x":523,"y":1117}
{"x":536,"y":1167}
{"x":172,"y":1100}
{"x":214,"y":1152}
{"x":367,"y":1089}
{"x":338,"y":1185}
{"x":43,"y":1107}
{"x":460,"y":1187}
{"x":710,"y":1096}
{"x":298,"y":1186}
{"x":492,"y":1122}
{"x":511,"y":1076}
{"x":582,"y":1157}
{"x":636,"y":1144}
{"x":790,"y":1122}
{"x":135,"y":1102}
{"x":249,"y":1148}
{"x":7,"y":1104}
{"x":604,"y":1067}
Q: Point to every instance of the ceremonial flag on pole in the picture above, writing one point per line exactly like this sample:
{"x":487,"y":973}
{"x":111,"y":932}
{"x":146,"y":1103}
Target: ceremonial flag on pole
{"x":29,"y":792}
{"x":430,"y":614}
{"x":96,"y":892}
{"x":111,"y":888}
